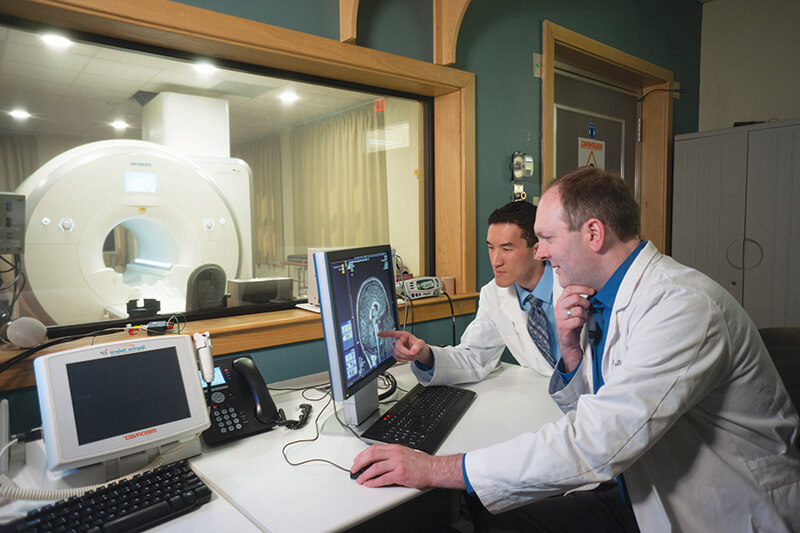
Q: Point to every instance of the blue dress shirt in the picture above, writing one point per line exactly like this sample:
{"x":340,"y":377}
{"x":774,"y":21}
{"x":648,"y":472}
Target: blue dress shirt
{"x":601,"y":305}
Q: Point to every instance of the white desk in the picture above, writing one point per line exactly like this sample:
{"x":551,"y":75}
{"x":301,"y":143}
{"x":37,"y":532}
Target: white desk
{"x":253,"y":475}
{"x":255,"y":489}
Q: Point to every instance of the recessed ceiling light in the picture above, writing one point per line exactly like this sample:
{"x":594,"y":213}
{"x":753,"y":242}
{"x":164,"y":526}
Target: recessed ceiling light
{"x":204,"y":67}
{"x":288,"y":97}
{"x":56,"y":41}
{"x":119,"y":125}
{"x":20,"y":114}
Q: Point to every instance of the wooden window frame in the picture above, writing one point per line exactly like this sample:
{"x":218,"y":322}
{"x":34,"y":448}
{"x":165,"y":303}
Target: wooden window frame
{"x":191,"y":30}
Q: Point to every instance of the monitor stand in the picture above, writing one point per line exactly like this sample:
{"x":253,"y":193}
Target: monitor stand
{"x":361,"y":405}
{"x":36,"y":457}
{"x":359,"y":412}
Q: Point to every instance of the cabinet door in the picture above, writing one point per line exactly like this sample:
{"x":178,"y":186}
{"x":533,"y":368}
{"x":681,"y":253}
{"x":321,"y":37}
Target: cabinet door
{"x":772,"y":253}
{"x":708,"y":198}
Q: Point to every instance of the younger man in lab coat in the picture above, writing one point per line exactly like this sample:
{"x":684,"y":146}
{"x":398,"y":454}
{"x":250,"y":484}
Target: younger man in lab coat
{"x":502,"y":318}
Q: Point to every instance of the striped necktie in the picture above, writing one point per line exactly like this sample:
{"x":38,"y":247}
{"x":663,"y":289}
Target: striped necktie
{"x":537,"y":327}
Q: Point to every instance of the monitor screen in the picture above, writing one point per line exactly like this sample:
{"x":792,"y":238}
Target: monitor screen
{"x":107,"y":401}
{"x":357,"y":300}
{"x":148,"y":388}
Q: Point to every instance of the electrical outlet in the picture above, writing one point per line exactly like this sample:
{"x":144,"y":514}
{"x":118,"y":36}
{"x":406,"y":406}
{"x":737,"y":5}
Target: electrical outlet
{"x":519,"y":192}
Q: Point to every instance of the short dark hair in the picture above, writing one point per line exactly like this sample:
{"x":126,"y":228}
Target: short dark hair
{"x":520,"y":213}
{"x":594,"y":193}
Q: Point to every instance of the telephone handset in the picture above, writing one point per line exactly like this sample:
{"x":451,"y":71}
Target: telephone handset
{"x":239,"y":400}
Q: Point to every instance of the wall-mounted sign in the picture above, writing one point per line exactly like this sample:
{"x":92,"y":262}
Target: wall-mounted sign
{"x":591,"y":153}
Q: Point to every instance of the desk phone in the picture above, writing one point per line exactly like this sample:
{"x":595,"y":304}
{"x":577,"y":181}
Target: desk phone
{"x":239,"y":402}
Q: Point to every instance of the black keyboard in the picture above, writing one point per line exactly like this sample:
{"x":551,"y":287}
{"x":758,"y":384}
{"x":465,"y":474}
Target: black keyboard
{"x":423,"y":418}
{"x":127,"y":506}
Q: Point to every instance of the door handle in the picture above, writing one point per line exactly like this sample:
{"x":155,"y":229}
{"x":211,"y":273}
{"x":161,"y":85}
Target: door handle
{"x":746,"y":262}
{"x":739,"y":254}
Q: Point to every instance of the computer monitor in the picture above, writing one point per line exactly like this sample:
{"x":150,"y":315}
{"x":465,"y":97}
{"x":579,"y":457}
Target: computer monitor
{"x":108,"y":401}
{"x":357,"y":299}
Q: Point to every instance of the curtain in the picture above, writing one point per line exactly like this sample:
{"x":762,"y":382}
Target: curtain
{"x":264,"y":158}
{"x":340,"y":189}
{"x":18,"y":159}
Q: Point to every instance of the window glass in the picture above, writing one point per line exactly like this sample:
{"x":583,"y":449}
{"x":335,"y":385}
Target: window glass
{"x":158,"y":185}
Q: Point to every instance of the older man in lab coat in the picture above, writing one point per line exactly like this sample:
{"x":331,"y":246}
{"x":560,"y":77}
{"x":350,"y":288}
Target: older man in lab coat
{"x":674,"y":391}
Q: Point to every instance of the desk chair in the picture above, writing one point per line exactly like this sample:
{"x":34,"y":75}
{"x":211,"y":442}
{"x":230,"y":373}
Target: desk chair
{"x":783,"y":345}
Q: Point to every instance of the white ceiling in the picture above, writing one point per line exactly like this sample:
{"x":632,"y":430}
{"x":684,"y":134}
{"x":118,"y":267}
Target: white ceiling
{"x":80,"y":90}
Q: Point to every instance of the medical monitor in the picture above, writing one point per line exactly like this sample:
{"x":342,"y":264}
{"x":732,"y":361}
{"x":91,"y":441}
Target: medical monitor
{"x":108,"y":401}
{"x":357,"y":299}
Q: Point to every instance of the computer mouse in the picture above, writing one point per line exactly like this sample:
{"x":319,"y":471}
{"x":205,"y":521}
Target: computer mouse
{"x":354,"y":475}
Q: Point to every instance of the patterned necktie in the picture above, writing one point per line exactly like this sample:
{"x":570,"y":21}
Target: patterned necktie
{"x":537,"y":327}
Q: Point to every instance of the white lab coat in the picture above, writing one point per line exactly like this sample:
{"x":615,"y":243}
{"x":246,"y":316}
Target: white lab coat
{"x":692,"y":412}
{"x":499,"y":323}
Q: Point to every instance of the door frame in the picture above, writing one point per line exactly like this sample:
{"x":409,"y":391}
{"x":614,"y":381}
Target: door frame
{"x":563,"y":45}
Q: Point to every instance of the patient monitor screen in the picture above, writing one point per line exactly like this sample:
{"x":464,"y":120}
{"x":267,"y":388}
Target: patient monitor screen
{"x":361,"y":291}
{"x":124,"y":394}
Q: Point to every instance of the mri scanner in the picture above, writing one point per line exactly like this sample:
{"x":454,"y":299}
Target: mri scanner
{"x":181,"y":211}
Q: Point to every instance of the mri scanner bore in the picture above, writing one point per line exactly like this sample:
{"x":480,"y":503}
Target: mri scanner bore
{"x":177,"y":212}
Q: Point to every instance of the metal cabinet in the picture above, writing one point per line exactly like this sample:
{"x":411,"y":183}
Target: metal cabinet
{"x":734,"y":215}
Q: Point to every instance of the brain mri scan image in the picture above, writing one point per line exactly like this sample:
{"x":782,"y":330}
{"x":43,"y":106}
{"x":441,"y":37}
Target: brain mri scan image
{"x":373,"y":315}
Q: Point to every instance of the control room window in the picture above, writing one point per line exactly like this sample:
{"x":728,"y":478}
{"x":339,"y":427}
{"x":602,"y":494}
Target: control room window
{"x":162,"y":185}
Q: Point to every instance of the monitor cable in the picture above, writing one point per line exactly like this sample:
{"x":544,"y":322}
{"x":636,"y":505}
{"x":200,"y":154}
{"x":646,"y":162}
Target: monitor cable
{"x":301,"y":421}
{"x":409,"y":303}
{"x":452,"y":315}
{"x":391,"y":386}
{"x":30,"y":351}
{"x":313,"y":439}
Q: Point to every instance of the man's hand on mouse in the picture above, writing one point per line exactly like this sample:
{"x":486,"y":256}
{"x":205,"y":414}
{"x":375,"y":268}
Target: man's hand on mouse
{"x":392,"y":464}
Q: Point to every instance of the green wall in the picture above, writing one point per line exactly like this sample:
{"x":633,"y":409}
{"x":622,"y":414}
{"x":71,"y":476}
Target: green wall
{"x":496,"y":42}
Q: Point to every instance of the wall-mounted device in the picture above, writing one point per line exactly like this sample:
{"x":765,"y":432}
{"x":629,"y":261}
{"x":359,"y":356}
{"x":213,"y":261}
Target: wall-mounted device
{"x":521,"y":166}
{"x":422,"y":287}
{"x":519,"y":192}
{"x":239,"y":400}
